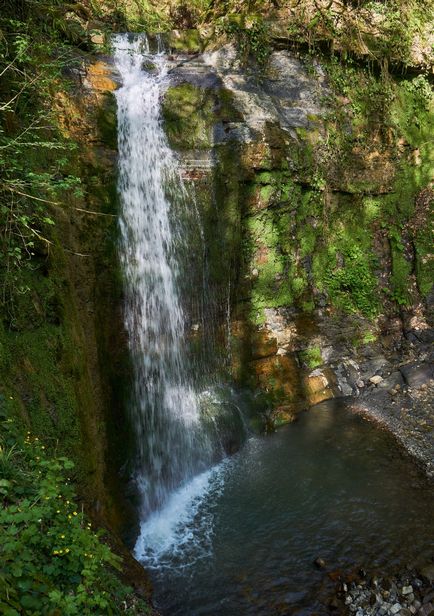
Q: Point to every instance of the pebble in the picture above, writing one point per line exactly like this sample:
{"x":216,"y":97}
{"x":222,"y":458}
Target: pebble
{"x":398,"y":595}
{"x":320,"y":563}
{"x":376,"y":379}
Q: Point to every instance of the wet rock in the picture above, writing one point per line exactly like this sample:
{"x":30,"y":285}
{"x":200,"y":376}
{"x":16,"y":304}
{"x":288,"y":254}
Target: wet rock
{"x":396,"y":608}
{"x":263,"y":345}
{"x":393,"y":380}
{"x":426,"y":610}
{"x":417,"y":374}
{"x":319,"y":563}
{"x":428,"y":598}
{"x":407,"y":590}
{"x":334,"y":603}
{"x":427,"y":572}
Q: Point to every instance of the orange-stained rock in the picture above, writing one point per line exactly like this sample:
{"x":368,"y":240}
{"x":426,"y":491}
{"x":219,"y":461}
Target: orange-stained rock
{"x":99,"y":77}
{"x":262,"y":344}
{"x":279,"y":374}
{"x":319,"y":385}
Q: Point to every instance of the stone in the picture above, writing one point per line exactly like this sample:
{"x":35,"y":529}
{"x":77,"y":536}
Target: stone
{"x":334,"y":603}
{"x":426,"y":610}
{"x":429,"y":597}
{"x":360,"y":383}
{"x":263,"y":344}
{"x":376,"y":379}
{"x":427,"y":572}
{"x":394,"y":380}
{"x":407,"y":590}
{"x":97,"y":38}
{"x":98,"y":77}
{"x":405,"y":612}
{"x":319,"y":563}
{"x":318,"y":385}
{"x":417,"y":374}
{"x":395,"y":608}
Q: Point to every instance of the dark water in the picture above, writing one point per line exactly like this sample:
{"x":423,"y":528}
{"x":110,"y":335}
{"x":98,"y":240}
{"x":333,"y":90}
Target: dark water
{"x":330,"y":485}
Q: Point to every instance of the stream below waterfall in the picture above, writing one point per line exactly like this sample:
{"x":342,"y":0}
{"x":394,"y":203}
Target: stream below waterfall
{"x":242,"y":538}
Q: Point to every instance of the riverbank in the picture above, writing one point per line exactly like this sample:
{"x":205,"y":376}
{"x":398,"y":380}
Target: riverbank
{"x":401,"y":401}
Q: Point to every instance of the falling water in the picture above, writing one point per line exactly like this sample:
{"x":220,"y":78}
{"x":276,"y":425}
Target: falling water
{"x":173,"y":443}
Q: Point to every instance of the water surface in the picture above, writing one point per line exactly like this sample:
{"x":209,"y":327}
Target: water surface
{"x":242,"y":537}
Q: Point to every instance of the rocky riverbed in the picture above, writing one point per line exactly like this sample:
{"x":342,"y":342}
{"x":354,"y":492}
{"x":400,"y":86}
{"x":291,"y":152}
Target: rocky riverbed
{"x":400,"y":398}
{"x":404,"y":594}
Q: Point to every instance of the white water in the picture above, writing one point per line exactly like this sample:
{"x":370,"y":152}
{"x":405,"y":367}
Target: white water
{"x":182,"y":531}
{"x":173,"y":445}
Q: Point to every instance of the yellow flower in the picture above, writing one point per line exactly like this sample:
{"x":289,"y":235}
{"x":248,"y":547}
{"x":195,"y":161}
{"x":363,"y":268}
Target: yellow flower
{"x":62,"y":536}
{"x":66,"y":550}
{"x":74,"y":513}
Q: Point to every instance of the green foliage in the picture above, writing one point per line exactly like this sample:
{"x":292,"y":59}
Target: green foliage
{"x":250,"y":33}
{"x":33,"y":154}
{"x":311,"y":357}
{"x":51,"y":561}
{"x":353,"y":286}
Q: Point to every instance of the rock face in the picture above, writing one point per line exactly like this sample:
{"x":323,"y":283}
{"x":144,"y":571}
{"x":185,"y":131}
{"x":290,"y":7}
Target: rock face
{"x":327,"y":297}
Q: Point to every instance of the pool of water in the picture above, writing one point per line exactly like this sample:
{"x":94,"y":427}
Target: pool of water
{"x":242,"y":537}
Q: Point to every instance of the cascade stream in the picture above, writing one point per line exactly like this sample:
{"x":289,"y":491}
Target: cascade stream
{"x":172,"y":440}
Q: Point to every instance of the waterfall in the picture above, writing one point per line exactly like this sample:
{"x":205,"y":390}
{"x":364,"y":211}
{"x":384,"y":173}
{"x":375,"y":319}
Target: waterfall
{"x":173,"y":444}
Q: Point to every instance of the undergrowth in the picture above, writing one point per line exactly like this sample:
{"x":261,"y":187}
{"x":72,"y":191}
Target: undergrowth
{"x":51,"y":560}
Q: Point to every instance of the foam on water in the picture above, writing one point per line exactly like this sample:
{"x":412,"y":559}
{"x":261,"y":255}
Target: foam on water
{"x":181,"y":533}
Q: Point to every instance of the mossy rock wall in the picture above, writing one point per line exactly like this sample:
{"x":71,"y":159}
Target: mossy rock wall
{"x":64,"y":355}
{"x":321,"y":176}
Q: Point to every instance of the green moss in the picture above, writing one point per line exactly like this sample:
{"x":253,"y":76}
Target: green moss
{"x":400,"y":276}
{"x":311,"y":357}
{"x":186,"y":41}
{"x":188,"y":116}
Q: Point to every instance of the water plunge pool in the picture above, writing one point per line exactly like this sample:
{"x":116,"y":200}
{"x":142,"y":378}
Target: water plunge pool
{"x":242,"y":538}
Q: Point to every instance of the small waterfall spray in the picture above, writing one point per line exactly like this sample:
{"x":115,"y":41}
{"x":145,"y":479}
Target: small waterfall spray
{"x":173,"y":444}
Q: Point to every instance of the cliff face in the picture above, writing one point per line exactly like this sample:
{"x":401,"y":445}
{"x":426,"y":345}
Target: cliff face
{"x":314,"y":177}
{"x":64,"y":358}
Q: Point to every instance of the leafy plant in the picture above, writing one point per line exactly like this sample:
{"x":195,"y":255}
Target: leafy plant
{"x":250,"y":33}
{"x":51,"y":560}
